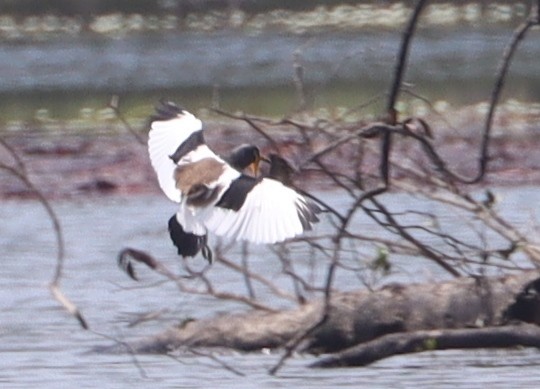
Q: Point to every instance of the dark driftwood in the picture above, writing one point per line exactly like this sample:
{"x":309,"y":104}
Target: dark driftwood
{"x":357,"y":317}
{"x":466,"y":302}
{"x":525,"y":335}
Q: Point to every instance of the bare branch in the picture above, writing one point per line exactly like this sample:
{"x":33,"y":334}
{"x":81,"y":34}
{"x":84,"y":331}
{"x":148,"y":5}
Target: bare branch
{"x":402,"y":56}
{"x":509,"y":52}
{"x":54,"y":286}
{"x":154,"y":264}
{"x":114,"y":105}
{"x":299,"y":80}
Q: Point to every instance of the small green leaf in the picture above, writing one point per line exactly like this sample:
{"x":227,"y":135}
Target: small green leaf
{"x":430,"y":344}
{"x":381,"y":262}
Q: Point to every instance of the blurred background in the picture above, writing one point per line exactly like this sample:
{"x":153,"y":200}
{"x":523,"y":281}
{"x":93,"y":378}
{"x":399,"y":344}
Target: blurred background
{"x":62,"y":60}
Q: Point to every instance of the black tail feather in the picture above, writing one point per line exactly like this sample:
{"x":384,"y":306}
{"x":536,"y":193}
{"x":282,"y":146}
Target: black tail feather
{"x":188,"y":244}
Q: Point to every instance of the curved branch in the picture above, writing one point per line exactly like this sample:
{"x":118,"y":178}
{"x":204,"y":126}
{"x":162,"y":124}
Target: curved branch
{"x":54,"y":285}
{"x":402,"y":56}
{"x":509,"y":52}
{"x":124,"y":260}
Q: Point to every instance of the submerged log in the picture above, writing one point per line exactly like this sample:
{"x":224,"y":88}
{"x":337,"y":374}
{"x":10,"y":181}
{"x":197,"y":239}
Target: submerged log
{"x":525,"y":335}
{"x":360,"y":316}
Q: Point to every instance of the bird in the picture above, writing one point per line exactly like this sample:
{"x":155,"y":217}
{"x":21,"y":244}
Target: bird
{"x":280,"y":170}
{"x":213,"y":194}
{"x":249,"y":156}
{"x":246,"y":156}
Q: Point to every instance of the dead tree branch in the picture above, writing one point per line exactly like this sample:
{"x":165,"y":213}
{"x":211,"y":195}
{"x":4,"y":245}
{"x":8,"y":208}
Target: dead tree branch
{"x":128,"y":254}
{"x":114,"y":105}
{"x":20,"y":172}
{"x":519,"y":35}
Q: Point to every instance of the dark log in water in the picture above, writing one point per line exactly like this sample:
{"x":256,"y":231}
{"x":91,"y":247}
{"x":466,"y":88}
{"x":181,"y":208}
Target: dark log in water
{"x":360,"y":317}
{"x":524,"y":335}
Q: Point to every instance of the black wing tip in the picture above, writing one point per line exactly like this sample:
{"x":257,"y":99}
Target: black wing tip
{"x":307,"y":213}
{"x":188,"y":244}
{"x":191,"y":143}
{"x":166,"y":110}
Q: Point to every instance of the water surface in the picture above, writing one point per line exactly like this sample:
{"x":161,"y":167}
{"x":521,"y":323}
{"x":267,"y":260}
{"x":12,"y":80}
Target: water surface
{"x":255,"y":73}
{"x":43,"y":347}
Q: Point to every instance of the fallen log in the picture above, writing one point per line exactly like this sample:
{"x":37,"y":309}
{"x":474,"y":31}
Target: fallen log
{"x":525,"y":335}
{"x":358,"y":317}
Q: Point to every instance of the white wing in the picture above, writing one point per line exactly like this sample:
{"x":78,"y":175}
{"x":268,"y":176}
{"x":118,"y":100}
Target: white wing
{"x":269,"y":214}
{"x":163,"y":140}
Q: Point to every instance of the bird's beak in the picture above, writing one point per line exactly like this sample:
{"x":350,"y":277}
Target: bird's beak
{"x":254,"y":167}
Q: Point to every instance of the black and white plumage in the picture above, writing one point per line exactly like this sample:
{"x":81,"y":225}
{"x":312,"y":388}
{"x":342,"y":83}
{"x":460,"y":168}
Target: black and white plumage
{"x":212,"y":195}
{"x":246,"y":156}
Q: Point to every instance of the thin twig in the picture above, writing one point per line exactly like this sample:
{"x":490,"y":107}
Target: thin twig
{"x":246,"y":272}
{"x":160,"y":268}
{"x":252,"y":124}
{"x":405,"y":234}
{"x":299,"y":80}
{"x":508,"y":55}
{"x":54,"y":285}
{"x":401,"y":62}
{"x":210,"y":356}
{"x":114,"y":105}
{"x":126,"y":346}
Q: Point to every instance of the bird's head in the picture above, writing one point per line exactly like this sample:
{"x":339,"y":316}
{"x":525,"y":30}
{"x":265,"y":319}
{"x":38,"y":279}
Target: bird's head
{"x":246,"y":156}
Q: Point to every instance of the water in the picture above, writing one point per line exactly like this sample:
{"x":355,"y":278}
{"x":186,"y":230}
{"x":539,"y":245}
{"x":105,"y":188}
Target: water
{"x":254,"y":73}
{"x":230,"y":59}
{"x":43,"y":347}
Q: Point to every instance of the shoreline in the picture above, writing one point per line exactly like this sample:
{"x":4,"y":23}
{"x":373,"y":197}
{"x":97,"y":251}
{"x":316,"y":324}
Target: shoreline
{"x":68,"y":165}
{"x":210,"y":16}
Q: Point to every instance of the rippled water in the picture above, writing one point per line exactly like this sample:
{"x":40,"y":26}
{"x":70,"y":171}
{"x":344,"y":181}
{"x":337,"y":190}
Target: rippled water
{"x":43,"y":347}
{"x":231,"y":59}
{"x":255,"y":72}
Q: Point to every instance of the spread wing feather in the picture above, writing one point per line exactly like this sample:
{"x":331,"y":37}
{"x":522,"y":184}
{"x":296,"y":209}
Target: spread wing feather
{"x":269,"y":215}
{"x":271,"y":211}
{"x":163,"y":139}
